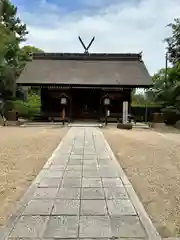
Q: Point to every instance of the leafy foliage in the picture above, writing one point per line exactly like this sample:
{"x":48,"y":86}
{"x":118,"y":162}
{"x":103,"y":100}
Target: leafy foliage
{"x":12,"y":33}
{"x":28,"y":109}
{"x":13,"y":58}
{"x":144,"y":99}
{"x":10,"y":20}
{"x":167,"y":92}
{"x":174,"y":42}
{"x":25,"y":55}
{"x":138,"y":99}
{"x":166,"y":82}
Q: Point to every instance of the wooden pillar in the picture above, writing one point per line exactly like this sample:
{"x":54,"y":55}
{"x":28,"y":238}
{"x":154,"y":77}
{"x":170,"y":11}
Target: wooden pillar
{"x":63,"y":115}
{"x":130,"y":100}
{"x":43,"y":97}
{"x":70,"y":111}
{"x":106,"y":115}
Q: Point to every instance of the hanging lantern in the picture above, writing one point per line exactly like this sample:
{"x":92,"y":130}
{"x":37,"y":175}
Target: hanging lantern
{"x":63,"y":100}
{"x":106,"y":101}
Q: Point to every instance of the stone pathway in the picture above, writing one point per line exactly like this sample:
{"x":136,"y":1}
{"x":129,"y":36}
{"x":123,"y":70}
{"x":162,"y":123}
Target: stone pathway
{"x":81,"y":193}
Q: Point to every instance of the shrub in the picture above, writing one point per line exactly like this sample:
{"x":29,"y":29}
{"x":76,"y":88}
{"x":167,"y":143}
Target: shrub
{"x":171,"y":115}
{"x":27,"y":109}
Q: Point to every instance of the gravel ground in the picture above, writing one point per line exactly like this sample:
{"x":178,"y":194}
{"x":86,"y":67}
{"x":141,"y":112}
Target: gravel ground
{"x":151,"y":161}
{"x":23,"y":152}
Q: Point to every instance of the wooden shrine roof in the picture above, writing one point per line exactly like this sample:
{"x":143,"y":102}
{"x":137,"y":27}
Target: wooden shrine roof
{"x":86,"y":69}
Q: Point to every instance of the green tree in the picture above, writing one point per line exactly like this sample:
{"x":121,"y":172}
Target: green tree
{"x":138,"y":99}
{"x":12,"y":33}
{"x":12,"y":57}
{"x":166,"y":83}
{"x":7,"y":46}
{"x":25,"y":55}
{"x":173,"y":42}
{"x":11,"y":21}
{"x":164,"y":90}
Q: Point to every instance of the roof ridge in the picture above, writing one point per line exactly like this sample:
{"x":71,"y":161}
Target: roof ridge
{"x":89,"y":56}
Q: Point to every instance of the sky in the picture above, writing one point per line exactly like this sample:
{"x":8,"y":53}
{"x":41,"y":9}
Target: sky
{"x":119,"y":26}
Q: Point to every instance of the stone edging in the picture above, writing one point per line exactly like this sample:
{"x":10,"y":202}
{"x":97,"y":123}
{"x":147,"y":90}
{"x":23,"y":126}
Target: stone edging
{"x":147,"y":223}
{"x":171,"y":238}
{"x":21,"y":205}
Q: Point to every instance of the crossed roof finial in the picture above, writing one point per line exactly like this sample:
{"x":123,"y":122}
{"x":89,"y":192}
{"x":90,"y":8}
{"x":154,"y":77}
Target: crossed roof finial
{"x":84,"y":46}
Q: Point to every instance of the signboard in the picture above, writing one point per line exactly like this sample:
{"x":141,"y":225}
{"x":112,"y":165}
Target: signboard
{"x":125,"y":112}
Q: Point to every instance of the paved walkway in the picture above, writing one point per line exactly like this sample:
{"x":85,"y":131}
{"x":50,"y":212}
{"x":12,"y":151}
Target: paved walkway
{"x":81,"y":193}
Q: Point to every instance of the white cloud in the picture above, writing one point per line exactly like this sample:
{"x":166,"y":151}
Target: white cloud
{"x":99,"y":3}
{"x":119,"y":28}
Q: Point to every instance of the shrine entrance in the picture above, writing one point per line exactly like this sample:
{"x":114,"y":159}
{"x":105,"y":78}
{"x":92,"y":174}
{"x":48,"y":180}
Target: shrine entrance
{"x":86,"y":104}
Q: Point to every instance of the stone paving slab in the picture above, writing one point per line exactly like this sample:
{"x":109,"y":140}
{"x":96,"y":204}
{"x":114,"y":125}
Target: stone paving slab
{"x":29,"y":227}
{"x":127,"y":226}
{"x":112,"y":182}
{"x":54,"y":173}
{"x":45,"y":193}
{"x":116,"y":193}
{"x":66,"y":207}
{"x":91,"y":174}
{"x":75,"y":157}
{"x":50,"y":183}
{"x":69,"y":193}
{"x":71,"y":182}
{"x":75,"y":162}
{"x":74,"y":168}
{"x":73,"y":174}
{"x":120,"y":207}
{"x":57,"y":167}
{"x":89,"y":157}
{"x":90,"y":163}
{"x":91,"y":182}
{"x":93,"y":207}
{"x":92,"y":193}
{"x":81,"y":193}
{"x":39,"y":207}
{"x":95,"y":227}
{"x":62,"y":227}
